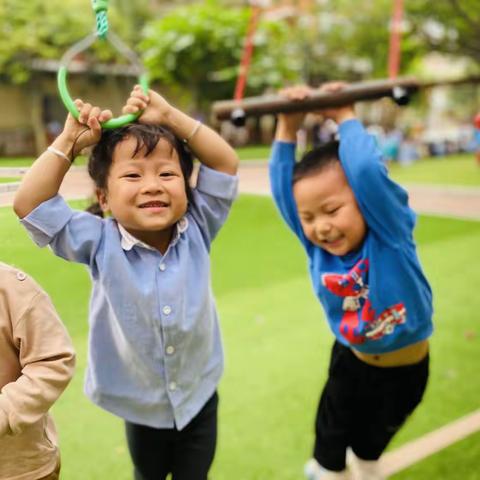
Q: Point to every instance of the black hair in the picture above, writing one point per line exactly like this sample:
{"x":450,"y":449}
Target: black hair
{"x":316,"y":160}
{"x":147,"y":138}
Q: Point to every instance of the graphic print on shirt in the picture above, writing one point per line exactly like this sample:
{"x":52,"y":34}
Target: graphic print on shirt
{"x":359,"y":321}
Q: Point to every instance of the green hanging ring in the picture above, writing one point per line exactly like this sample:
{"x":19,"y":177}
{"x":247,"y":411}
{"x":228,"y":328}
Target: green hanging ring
{"x":72,"y":108}
{"x":100,"y":8}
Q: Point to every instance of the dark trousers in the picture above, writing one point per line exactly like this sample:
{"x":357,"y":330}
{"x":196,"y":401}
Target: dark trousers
{"x":186,"y":454}
{"x":363,"y":406}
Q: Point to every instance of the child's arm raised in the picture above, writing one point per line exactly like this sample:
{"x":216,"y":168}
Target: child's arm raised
{"x":43,"y":179}
{"x":206,"y":144}
{"x":383,"y":203}
{"x":282,"y":161}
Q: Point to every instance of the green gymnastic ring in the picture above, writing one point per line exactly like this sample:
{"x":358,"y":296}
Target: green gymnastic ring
{"x":72,"y":108}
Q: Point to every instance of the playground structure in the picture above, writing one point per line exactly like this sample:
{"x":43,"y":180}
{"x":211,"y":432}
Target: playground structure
{"x":399,"y":89}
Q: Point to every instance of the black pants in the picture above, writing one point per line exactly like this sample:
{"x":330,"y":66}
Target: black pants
{"x":363,"y":406}
{"x":186,"y":454}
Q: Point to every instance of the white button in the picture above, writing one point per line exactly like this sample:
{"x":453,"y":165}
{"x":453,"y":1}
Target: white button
{"x":162,"y":267}
{"x":167,"y":310}
{"x":21,"y":276}
{"x":170,"y":350}
{"x":172,"y":386}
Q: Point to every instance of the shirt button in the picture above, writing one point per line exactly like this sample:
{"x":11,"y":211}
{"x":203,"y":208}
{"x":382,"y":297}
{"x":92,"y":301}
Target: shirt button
{"x":170,"y":350}
{"x":21,"y":276}
{"x":162,"y":267}
{"x":167,"y":310}
{"x":172,"y":386}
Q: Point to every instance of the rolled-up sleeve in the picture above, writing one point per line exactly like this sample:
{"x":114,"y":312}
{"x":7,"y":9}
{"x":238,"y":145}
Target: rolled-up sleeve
{"x":73,"y":235}
{"x":213,"y":198}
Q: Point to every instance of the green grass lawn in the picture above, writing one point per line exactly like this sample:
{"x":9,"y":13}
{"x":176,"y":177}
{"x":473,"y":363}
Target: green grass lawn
{"x":9,"y":179}
{"x":277,"y":346}
{"x":451,"y":170}
{"x":17,"y":162}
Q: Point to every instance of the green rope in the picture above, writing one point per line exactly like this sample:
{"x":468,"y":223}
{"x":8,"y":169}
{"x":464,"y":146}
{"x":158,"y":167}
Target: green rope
{"x":100,"y":8}
{"x":102,"y":24}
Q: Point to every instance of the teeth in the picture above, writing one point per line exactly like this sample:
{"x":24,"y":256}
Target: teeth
{"x":153,"y":204}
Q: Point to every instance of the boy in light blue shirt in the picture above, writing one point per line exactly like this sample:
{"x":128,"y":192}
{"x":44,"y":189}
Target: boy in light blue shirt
{"x":155,"y":352}
{"x":357,"y":230}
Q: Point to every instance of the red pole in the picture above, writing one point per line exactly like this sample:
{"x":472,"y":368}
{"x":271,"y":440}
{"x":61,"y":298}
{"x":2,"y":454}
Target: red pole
{"x":247,"y":53}
{"x":395,"y":36}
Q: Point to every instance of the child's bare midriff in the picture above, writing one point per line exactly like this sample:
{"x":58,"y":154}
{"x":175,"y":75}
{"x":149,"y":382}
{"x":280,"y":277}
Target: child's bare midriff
{"x":398,"y":358}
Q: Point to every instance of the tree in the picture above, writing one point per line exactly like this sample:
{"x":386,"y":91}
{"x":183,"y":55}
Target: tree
{"x":450,"y":26}
{"x":41,"y":29}
{"x":198,"y":47}
{"x":352,"y":46}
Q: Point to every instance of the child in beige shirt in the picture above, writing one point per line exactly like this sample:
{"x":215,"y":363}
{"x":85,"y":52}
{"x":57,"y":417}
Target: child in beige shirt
{"x":37,"y":361}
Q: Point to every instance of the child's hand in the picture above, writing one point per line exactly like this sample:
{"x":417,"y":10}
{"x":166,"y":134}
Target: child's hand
{"x":338,"y":114}
{"x":85,"y":131}
{"x":293,"y":121}
{"x":156,"y":110}
{"x":289,"y":123}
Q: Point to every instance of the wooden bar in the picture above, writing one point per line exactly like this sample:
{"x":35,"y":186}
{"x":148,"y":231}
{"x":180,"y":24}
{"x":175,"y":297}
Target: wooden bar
{"x":399,"y":89}
{"x":271,"y":104}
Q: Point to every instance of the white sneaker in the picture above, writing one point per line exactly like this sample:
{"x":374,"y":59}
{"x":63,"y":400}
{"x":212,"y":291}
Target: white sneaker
{"x":314,"y":471}
{"x":363,"y":469}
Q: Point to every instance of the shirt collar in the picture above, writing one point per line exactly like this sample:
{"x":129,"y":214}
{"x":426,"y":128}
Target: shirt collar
{"x":128,"y":241}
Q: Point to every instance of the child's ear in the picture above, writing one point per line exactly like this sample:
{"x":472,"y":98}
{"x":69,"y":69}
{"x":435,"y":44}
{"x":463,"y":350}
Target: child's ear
{"x":102,"y":198}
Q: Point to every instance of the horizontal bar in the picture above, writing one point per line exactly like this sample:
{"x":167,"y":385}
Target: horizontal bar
{"x":354,"y":92}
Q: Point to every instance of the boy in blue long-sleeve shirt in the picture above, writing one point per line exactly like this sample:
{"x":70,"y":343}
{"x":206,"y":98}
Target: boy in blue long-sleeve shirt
{"x":357,"y":230}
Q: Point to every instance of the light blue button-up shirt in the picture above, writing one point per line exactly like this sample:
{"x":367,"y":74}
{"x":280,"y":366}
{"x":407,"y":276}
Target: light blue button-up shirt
{"x":155,"y":351}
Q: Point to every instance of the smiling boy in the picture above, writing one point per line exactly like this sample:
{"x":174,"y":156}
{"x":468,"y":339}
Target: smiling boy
{"x":357,"y":229}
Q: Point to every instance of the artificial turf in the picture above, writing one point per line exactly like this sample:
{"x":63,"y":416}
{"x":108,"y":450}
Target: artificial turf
{"x":277,"y":346}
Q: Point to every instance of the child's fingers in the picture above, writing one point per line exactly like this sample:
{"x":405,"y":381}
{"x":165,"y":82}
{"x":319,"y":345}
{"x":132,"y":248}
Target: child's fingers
{"x":84,"y":113}
{"x":138,"y":93}
{"x":138,"y":88}
{"x":94,"y":112}
{"x":129,"y":109}
{"x":94,"y":124}
{"x":105,"y":115}
{"x":299,"y":92}
{"x":333,"y":86}
{"x":134,"y":105}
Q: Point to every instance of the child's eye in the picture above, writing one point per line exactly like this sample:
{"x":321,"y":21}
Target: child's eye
{"x":332,"y":211}
{"x":131,"y":175}
{"x":167,"y":174}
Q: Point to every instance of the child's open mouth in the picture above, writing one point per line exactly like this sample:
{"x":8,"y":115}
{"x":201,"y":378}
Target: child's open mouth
{"x":332,"y":243}
{"x":154,"y":204}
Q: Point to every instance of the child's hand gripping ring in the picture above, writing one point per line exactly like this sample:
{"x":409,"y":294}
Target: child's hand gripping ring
{"x":80,"y":47}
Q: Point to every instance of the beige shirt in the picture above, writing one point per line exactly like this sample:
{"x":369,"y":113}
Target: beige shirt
{"x":37,"y":361}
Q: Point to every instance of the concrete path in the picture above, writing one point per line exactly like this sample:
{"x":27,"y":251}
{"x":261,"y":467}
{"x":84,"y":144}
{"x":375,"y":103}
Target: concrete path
{"x":458,"y":202}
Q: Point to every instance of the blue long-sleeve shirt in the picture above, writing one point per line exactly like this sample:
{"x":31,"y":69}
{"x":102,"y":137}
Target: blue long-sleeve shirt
{"x":376,"y":299}
{"x":155,"y":351}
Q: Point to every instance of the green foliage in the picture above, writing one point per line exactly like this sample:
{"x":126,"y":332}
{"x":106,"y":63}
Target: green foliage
{"x":199,"y":47}
{"x":448,"y":26}
{"x":350,"y":40}
{"x":41,"y":29}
